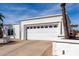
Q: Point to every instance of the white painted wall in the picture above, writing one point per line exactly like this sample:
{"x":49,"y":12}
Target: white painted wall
{"x":16,"y":29}
{"x":38,"y":21}
{"x":70,"y":48}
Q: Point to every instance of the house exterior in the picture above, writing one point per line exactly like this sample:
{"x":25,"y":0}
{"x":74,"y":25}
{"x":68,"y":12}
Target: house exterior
{"x":42,"y":28}
{"x":45,"y":28}
{"x":39,"y":28}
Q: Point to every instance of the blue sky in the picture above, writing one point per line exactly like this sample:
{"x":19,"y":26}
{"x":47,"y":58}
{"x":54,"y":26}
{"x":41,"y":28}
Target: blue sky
{"x":20,"y":11}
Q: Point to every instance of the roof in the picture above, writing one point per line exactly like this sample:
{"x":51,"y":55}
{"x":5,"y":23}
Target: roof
{"x":40,"y":17}
{"x":9,"y":24}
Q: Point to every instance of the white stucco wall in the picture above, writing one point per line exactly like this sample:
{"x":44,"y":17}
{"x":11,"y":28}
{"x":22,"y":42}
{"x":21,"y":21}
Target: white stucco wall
{"x":49,"y":19}
{"x":70,"y":47}
{"x":16,"y":29}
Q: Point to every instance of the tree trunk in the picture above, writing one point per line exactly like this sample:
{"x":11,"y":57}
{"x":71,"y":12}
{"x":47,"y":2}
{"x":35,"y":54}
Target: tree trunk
{"x":65,"y":21}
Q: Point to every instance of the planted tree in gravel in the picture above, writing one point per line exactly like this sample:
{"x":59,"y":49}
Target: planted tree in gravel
{"x":1,"y":25}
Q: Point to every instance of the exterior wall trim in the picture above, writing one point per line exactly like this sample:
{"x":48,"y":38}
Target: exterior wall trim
{"x":41,"y":23}
{"x":34,"y":18}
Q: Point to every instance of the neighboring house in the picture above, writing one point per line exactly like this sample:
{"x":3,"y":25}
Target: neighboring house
{"x":39,"y":28}
{"x":11,"y":30}
{"x":7,"y":30}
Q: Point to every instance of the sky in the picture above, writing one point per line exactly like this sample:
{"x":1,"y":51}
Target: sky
{"x":15,"y":12}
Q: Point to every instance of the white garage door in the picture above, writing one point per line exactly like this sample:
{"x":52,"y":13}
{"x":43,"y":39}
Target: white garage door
{"x":42,"y":32}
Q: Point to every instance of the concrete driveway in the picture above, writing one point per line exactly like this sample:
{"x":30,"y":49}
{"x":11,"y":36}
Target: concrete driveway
{"x":26,"y":48}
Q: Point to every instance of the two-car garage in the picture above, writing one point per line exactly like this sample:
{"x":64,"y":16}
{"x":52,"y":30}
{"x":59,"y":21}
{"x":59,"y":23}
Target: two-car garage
{"x":42,"y":28}
{"x":46,"y":31}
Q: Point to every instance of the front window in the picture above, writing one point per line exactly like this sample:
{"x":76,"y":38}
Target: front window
{"x":10,"y":32}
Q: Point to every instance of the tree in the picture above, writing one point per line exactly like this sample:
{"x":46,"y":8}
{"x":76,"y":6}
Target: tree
{"x":1,"y":25}
{"x":65,"y":20}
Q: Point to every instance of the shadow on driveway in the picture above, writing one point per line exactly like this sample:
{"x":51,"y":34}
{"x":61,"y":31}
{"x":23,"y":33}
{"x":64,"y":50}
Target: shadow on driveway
{"x":9,"y":43}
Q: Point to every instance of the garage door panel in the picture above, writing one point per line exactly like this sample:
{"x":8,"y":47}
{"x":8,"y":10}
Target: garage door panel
{"x":42,"y":33}
{"x":46,"y":31}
